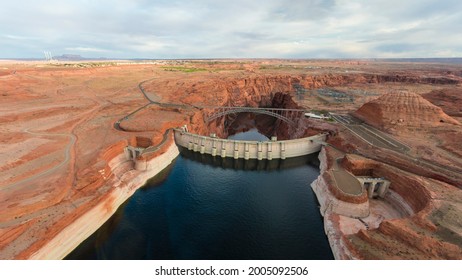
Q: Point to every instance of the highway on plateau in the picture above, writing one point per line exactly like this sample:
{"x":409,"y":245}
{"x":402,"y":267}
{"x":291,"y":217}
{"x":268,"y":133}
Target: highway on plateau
{"x":377,"y":138}
{"x":369,"y":134}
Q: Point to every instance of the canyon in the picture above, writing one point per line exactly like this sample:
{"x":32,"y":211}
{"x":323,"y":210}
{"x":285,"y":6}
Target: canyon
{"x":64,"y":170}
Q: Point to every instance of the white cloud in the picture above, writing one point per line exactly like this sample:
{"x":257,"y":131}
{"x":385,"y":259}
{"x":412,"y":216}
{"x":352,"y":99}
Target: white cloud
{"x":85,"y":49}
{"x":239,"y":28}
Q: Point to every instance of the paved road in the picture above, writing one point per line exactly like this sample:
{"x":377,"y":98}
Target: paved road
{"x":380,"y":139}
{"x":369,"y":134}
{"x":154,"y":101}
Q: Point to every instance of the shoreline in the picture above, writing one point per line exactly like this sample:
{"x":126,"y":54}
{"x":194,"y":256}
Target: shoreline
{"x":404,"y":213}
{"x":131,"y":180}
{"x":325,"y":199}
{"x":84,"y":226}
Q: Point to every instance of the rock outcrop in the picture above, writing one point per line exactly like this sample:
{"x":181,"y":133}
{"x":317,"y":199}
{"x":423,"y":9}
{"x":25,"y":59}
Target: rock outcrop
{"x":422,"y":220}
{"x":398,"y":111}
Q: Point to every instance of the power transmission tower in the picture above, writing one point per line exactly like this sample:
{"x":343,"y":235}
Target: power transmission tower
{"x":48,"y":56}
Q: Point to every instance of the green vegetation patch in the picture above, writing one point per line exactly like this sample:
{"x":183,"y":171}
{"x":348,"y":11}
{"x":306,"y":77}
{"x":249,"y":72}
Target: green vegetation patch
{"x":278,"y":67}
{"x":85,"y":64}
{"x":183,"y":69}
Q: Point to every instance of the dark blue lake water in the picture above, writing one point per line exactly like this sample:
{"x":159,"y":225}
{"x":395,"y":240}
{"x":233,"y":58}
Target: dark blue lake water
{"x":209,"y":208}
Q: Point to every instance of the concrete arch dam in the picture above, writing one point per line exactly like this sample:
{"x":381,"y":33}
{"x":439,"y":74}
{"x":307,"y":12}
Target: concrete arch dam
{"x":239,"y":149}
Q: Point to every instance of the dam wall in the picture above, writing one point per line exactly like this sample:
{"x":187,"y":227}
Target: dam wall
{"x":239,"y":149}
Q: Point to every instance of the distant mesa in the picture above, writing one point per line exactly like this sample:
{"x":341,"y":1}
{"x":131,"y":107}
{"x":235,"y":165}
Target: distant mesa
{"x":68,"y":57}
{"x":74,"y":57}
{"x":401,"y":110}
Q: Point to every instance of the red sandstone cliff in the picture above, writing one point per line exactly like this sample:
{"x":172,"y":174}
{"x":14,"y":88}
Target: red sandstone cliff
{"x":428,"y":228}
{"x":401,"y":110}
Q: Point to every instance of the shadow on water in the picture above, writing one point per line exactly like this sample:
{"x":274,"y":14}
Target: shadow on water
{"x":159,"y":179}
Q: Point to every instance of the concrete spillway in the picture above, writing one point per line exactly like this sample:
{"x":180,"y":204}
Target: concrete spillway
{"x":239,"y":149}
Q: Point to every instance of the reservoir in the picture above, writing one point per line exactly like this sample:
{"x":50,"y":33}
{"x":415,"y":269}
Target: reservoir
{"x":204,"y":207}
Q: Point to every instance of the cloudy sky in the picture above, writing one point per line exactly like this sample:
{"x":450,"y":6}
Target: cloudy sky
{"x":232,"y":28}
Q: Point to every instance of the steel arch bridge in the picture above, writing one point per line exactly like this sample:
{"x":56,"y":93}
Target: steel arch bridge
{"x":287,"y":115}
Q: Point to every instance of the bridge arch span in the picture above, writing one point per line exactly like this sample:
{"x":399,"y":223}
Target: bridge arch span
{"x":286,"y":115}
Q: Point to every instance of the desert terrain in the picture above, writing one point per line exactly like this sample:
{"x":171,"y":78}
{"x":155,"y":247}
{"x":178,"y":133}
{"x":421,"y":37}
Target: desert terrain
{"x":64,"y":127}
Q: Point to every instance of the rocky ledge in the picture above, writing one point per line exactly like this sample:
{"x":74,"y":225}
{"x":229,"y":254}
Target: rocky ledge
{"x":417,"y":219}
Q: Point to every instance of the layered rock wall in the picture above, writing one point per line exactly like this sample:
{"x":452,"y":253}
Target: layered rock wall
{"x":402,"y":110}
{"x":333,"y":200}
{"x":414,"y":234}
{"x":410,"y":188}
{"x":71,"y":236}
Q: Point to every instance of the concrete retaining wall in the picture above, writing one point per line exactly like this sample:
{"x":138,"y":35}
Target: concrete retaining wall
{"x":249,"y":149}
